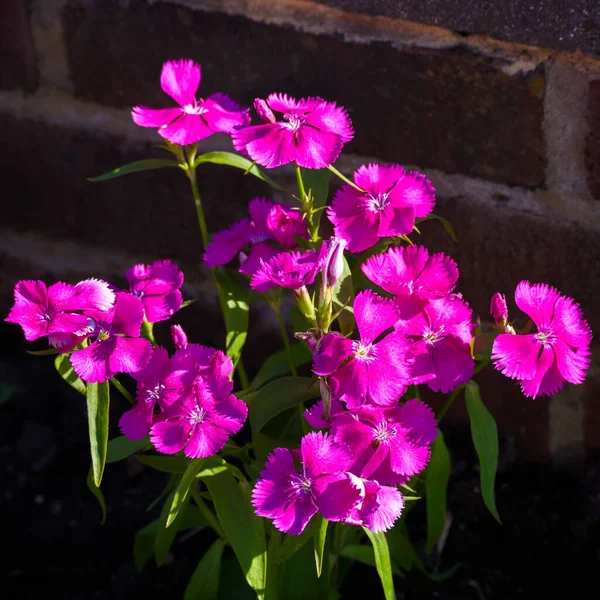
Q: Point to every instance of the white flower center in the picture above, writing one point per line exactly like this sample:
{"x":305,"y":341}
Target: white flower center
{"x":197,"y":416}
{"x":384,"y":432}
{"x":294,"y":122}
{"x":299,"y":486}
{"x":432,"y":337}
{"x":363,"y":352}
{"x":377,"y":202}
{"x":154,"y":394}
{"x":546,"y":338}
{"x":194,"y":109}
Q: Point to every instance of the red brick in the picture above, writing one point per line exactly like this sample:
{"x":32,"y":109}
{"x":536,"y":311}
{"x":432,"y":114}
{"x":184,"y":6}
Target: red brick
{"x":452,"y":110}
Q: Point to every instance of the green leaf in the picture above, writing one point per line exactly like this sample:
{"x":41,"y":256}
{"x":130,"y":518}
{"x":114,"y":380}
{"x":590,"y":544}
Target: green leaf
{"x":485,"y":440}
{"x":6,"y":392}
{"x":65,"y":370}
{"x":204,"y":583}
{"x":166,"y":464}
{"x":165,"y":536}
{"x":183,"y":489}
{"x":235,"y":160}
{"x":343,"y":295}
{"x":292,"y":543}
{"x":147,"y":164}
{"x":298,"y":576}
{"x":276,"y":397}
{"x":233,"y":294}
{"x":447,"y":225}
{"x":48,"y":352}
{"x":316,"y":181}
{"x":97,"y":492}
{"x":366,"y":555}
{"x":186,"y":303}
{"x":98,"y":402}
{"x":401,"y":548}
{"x":277,"y":364}
{"x":382,"y":562}
{"x":121,"y":447}
{"x":320,"y":539}
{"x":436,"y":480}
{"x":244,"y":530}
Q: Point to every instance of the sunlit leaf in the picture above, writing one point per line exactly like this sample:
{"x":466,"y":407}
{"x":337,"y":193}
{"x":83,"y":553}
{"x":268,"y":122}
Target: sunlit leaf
{"x":97,"y":492}
{"x":320,"y":539}
{"x":98,"y":402}
{"x":148,"y":164}
{"x":382,"y":563}
{"x":121,"y":447}
{"x":182,"y":490}
{"x":65,"y":370}
{"x":436,"y":479}
{"x":204,"y":583}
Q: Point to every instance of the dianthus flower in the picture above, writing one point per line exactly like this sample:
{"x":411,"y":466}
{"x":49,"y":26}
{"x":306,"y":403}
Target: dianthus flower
{"x":361,"y":370}
{"x":311,"y":135}
{"x":157,"y":286}
{"x":411,"y":270}
{"x":388,"y":206}
{"x":199,"y":423}
{"x":389,"y":445}
{"x":557,"y":352}
{"x":111,"y":352}
{"x":268,"y":222}
{"x":291,"y":497}
{"x":58,"y":309}
{"x":440,"y":331}
{"x":195,"y":118}
{"x":291,"y":270}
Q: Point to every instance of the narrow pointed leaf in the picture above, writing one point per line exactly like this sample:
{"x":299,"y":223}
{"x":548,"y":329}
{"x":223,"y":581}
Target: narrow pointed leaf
{"x":121,"y":447}
{"x":320,"y":539}
{"x":183,"y":489}
{"x":365,"y":555}
{"x":382,"y":562}
{"x":292,"y":543}
{"x":98,"y":403}
{"x":235,"y":160}
{"x":204,"y":583}
{"x":165,"y":536}
{"x":401,"y":548}
{"x":97,"y":492}
{"x":147,"y":164}
{"x":244,"y":530}
{"x":447,"y":225}
{"x":166,"y":464}
{"x":277,"y":396}
{"x":48,"y":352}
{"x":234,"y":303}
{"x":65,"y":370}
{"x":278,"y":364}
{"x":436,"y":479}
{"x":485,"y":440}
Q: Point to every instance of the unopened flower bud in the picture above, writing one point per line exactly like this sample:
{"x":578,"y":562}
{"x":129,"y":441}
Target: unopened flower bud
{"x":265,"y":114}
{"x":334,"y":264}
{"x":326,"y":397}
{"x":305,"y":304}
{"x":499,"y":312}
{"x":179,"y":337}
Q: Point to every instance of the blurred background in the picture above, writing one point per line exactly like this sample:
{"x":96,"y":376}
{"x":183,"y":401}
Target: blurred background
{"x":498,"y":102}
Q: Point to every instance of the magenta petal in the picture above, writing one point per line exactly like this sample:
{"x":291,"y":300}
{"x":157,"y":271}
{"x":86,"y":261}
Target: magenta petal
{"x":416,"y":191}
{"x":382,"y":506}
{"x":396,"y":220}
{"x":128,"y":315}
{"x":572,"y":365}
{"x":259,"y":209}
{"x":331,"y":118}
{"x":389,"y":373}
{"x":407,"y":458}
{"x":294,"y":517}
{"x":223,"y":114}
{"x":154,"y":117}
{"x":453,"y":365}
{"x":129,"y":355}
{"x":352,"y":223}
{"x":231,"y":412}
{"x":161,"y":308}
{"x":93,"y":294}
{"x":438,"y":277}
{"x":155,"y":369}
{"x":226,"y":244}
{"x":268,"y":495}
{"x":378,"y":179}
{"x":286,"y":104}
{"x":259,"y":252}
{"x":537,"y":301}
{"x":515,"y":355}
{"x":418,"y":420}
{"x":350,"y":383}
{"x":29,"y":309}
{"x":205,"y":440}
{"x":180,"y":79}
{"x":136,"y":422}
{"x":320,"y":454}
{"x":569,"y":324}
{"x":186,"y":129}
{"x":377,"y":461}
{"x":314,"y":414}
{"x":71,"y":323}
{"x":316,"y":149}
{"x":161,"y":277}
{"x":170,"y":437}
{"x":356,"y":434}
{"x":274,"y":146}
{"x":92,"y":363}
{"x":336,"y":495}
{"x":547,"y":380}
{"x":422,"y":369}
{"x":373,"y":315}
{"x":334,"y":349}
{"x":285,"y":225}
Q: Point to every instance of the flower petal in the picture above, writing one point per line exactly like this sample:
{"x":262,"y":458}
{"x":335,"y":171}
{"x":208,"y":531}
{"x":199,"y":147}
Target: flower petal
{"x":547,"y":379}
{"x":155,"y":117}
{"x":418,"y":420}
{"x":92,"y":363}
{"x":453,"y":365}
{"x":538,"y":301}
{"x":373,"y":315}
{"x":515,"y":355}
{"x":321,"y":454}
{"x":136,"y":422}
{"x":129,"y":355}
{"x":161,"y":308}
{"x":572,"y":365}
{"x":227,"y":243}
{"x":186,"y":129}
{"x":389,"y":374}
{"x":334,"y":349}
{"x":316,"y":149}
{"x":336,"y":495}
{"x":170,"y":437}
{"x":180,"y":79}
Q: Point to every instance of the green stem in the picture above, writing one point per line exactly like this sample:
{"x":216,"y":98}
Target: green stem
{"x":121,"y":389}
{"x":449,"y":403}
{"x":301,"y":189}
{"x":206,"y":512}
{"x":241,"y":371}
{"x":344,"y":178}
{"x":284,"y":335}
{"x":191,"y":173}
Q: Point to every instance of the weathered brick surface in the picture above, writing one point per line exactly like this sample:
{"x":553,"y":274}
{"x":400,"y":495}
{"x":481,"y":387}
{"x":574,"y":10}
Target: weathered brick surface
{"x":452,"y":110}
{"x":17,"y":63}
{"x":593,"y":141}
{"x":572,"y":25}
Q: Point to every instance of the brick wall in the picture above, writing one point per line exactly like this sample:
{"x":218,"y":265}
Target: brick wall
{"x":509,"y":133}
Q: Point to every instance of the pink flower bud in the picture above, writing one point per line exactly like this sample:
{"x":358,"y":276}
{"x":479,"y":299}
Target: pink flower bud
{"x":265,"y":114}
{"x":179,"y":337}
{"x":334,"y":265}
{"x":498,"y":309}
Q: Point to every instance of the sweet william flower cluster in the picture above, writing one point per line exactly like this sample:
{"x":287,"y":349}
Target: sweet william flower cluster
{"x":381,"y":317}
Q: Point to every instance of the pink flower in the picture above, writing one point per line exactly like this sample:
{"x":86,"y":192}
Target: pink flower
{"x":291,"y":497}
{"x":58,"y":309}
{"x":311,"y":135}
{"x":411,"y":270}
{"x":440,"y":331}
{"x":136,"y":422}
{"x":291,"y":270}
{"x":268,"y":222}
{"x":361,"y":370}
{"x":195,"y":118}
{"x":391,"y":201}
{"x":379,"y":510}
{"x":557,"y":352}
{"x":157,"y":286}
{"x":179,"y":337}
{"x":199,"y":424}
{"x":389,"y":445}
{"x":111,"y":353}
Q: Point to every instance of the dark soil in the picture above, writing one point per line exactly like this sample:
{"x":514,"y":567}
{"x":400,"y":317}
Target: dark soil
{"x":52,"y":543}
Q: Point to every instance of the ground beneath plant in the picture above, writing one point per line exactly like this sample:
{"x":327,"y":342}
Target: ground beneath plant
{"x":52,"y":542}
